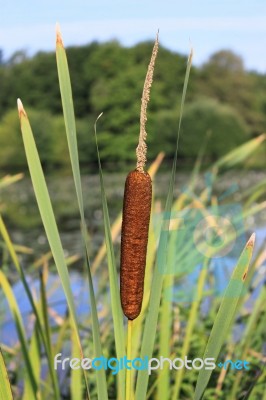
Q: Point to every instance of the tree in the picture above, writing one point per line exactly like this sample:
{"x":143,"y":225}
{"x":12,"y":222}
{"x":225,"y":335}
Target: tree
{"x":223,"y":78}
{"x":227,"y":127}
{"x":18,"y":57}
{"x":227,"y":61}
{"x":109,"y":78}
{"x":49,"y":134}
{"x":2,"y":57}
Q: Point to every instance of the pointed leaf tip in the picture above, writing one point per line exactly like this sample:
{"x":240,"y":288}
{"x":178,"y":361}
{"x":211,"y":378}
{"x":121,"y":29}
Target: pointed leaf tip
{"x":262,"y":137}
{"x":59,"y":40}
{"x":251,"y":240}
{"x":190,"y":57}
{"x":20,"y":105}
{"x":21,"y":110}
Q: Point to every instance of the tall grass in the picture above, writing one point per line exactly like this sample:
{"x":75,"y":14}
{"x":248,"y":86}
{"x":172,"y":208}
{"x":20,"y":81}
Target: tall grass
{"x":167,"y":326}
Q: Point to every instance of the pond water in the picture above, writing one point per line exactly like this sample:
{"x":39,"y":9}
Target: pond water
{"x":184,"y":293}
{"x":22,"y":217}
{"x":24,"y":224}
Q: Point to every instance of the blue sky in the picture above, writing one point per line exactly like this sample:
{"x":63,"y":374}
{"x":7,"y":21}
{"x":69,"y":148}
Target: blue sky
{"x":209,"y":25}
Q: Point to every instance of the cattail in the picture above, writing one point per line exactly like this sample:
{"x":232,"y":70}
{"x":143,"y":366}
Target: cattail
{"x":134,"y":240}
{"x":136,"y":215}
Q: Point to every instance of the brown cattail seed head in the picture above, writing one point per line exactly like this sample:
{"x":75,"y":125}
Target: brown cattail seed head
{"x":134,"y":240}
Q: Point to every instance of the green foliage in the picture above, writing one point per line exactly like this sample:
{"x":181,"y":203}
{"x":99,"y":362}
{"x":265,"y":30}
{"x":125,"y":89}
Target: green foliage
{"x":5,"y":389}
{"x":227,"y":129}
{"x":224,"y":78}
{"x":50,"y":139}
{"x":10,"y":138}
{"x":108,"y":78}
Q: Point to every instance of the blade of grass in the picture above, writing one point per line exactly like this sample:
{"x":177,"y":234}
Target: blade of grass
{"x":47,"y":214}
{"x":9,"y":180}
{"x":225,"y":315}
{"x":129,"y":357}
{"x":113,"y":278}
{"x":190,"y":325}
{"x":68,"y":111}
{"x":157,"y":282}
{"x":62,"y":334}
{"x":35,"y":357}
{"x":100,"y":374}
{"x":223,"y":372}
{"x":44,"y":308}
{"x":29,"y":370}
{"x":166,"y":313}
{"x":8,"y":350}
{"x":240,"y":154}
{"x":69,"y":118}
{"x":163,"y":388}
{"x":254,"y":190}
{"x":76,"y":375}
{"x":5,"y":388}
{"x":45,"y":323}
{"x":198,"y":162}
{"x":15,"y":260}
{"x":244,"y":345}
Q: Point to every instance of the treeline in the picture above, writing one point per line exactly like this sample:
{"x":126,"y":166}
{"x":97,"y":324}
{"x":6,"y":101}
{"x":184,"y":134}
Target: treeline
{"x":224,"y":102}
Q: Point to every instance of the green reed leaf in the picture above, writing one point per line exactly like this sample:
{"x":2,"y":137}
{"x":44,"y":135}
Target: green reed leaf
{"x":69,"y":118}
{"x":5,"y":388}
{"x":225,"y":315}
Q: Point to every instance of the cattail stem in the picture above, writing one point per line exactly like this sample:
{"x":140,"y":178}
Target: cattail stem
{"x":135,"y":227}
{"x":129,"y":355}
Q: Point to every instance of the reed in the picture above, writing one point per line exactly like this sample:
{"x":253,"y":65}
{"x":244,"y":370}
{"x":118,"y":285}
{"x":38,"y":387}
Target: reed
{"x":136,"y":214}
{"x":135,"y":223}
{"x":98,"y":332}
